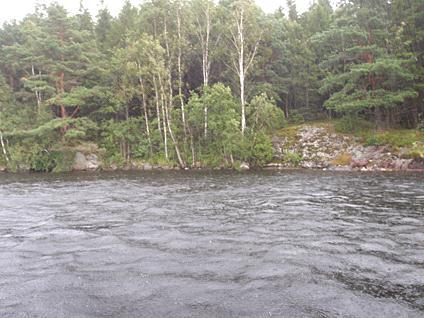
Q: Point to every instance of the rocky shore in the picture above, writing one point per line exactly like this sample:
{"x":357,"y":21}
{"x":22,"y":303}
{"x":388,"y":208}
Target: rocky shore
{"x":302,"y":147}
{"x":305,"y":147}
{"x":312,"y":147}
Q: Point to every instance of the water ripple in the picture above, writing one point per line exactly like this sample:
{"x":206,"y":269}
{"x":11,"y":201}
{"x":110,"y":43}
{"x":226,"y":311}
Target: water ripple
{"x":212,"y":244}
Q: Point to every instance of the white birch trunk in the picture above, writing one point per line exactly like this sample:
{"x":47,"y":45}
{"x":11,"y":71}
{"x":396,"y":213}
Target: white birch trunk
{"x":204,"y":37}
{"x":155,"y":86}
{"x":245,"y":58}
{"x":169,"y":105}
{"x":146,"y":116}
{"x":37,"y":93}
{"x":180,"y":73}
{"x":240,"y":29}
{"x":3,"y":147}
{"x":163,"y":106}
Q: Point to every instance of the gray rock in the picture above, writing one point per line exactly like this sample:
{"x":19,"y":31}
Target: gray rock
{"x":93,"y":162}
{"x":244,"y":166}
{"x":84,"y":163}
{"x":80,"y":162}
{"x":309,"y":165}
{"x":23,"y":167}
{"x":359,"y":163}
{"x":274,"y":166}
{"x":402,"y":164}
{"x":319,"y":148}
{"x":417,"y":165}
{"x":147,"y":167}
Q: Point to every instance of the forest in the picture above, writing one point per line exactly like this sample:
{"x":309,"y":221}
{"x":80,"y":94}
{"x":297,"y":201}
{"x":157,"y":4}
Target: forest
{"x":200,"y":83}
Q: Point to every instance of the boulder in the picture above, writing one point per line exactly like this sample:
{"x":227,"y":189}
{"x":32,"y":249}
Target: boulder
{"x":113,"y":167}
{"x":93,"y":162}
{"x":244,"y":166}
{"x":147,"y":167}
{"x":359,"y":163}
{"x":85,"y":162}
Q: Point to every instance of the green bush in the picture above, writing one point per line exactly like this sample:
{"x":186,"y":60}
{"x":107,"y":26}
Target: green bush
{"x":416,"y":152}
{"x":264,"y":115}
{"x":64,"y":159}
{"x":352,"y":124}
{"x":211,"y":160}
{"x":394,"y":138}
{"x":41,"y":160}
{"x":292,"y":158}
{"x":372,"y":140}
{"x":296,"y":118}
{"x":262,"y":151}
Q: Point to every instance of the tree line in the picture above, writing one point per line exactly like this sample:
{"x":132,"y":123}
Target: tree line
{"x":202,"y":83}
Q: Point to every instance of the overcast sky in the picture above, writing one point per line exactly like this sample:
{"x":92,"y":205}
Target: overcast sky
{"x":17,"y":9}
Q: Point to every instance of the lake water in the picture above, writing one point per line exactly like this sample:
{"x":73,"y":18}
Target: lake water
{"x":212,"y":244}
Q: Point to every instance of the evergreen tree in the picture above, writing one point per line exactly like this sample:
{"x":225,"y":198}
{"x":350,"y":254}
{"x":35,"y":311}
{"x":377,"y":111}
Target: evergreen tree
{"x":103,"y":29}
{"x":363,"y":74}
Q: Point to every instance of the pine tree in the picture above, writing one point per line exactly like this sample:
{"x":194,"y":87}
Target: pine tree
{"x":363,"y":74}
{"x":103,"y":29}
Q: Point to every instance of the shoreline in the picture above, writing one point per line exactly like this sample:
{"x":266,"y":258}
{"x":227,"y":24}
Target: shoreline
{"x":271,"y":167}
{"x":305,"y":147}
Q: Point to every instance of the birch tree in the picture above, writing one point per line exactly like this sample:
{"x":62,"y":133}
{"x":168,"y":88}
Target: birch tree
{"x":204,"y":12}
{"x":178,"y":6}
{"x":245,"y":38}
{"x":5,"y":96}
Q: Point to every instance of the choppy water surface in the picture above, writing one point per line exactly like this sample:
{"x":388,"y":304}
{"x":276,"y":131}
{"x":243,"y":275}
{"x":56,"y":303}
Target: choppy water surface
{"x":289,"y":244}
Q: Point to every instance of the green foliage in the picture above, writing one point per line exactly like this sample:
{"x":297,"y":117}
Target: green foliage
{"x":292,"y":158}
{"x":416,"y":152}
{"x":74,"y":134}
{"x":40,"y":160}
{"x":296,"y":118}
{"x":364,"y":72}
{"x":117,"y":136}
{"x":40,"y":157}
{"x":75,"y":128}
{"x":352,"y":124}
{"x":261,"y":150}
{"x":64,"y":159}
{"x":394,"y":138}
{"x":223,"y":132}
{"x":264,"y":115}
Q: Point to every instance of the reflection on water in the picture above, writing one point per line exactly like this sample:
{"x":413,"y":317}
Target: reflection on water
{"x":289,"y":244}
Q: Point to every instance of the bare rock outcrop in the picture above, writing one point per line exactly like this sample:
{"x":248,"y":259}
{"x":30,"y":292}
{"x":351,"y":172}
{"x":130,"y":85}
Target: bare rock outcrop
{"x":313,"y":147}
